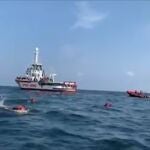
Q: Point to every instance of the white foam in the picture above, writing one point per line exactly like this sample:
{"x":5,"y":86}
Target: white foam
{"x":2,"y":100}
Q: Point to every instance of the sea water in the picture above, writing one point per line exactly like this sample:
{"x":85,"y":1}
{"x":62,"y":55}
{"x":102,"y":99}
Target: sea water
{"x":61,"y":121}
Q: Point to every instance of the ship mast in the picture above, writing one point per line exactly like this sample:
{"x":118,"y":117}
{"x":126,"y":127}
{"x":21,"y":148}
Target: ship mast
{"x":36,"y":55}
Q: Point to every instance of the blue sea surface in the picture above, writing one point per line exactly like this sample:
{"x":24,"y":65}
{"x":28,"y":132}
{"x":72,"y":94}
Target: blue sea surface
{"x":61,"y":121}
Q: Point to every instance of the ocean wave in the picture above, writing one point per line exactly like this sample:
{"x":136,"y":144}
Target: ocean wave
{"x":119,"y":144}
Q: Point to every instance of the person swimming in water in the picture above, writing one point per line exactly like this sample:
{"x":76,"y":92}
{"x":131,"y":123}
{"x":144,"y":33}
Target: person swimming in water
{"x":33,"y":100}
{"x":107,"y":105}
{"x":20,"y":109}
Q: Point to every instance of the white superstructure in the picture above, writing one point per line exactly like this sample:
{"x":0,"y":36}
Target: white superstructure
{"x":35,"y":72}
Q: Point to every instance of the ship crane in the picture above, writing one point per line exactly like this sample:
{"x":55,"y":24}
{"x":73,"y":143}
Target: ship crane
{"x":52,"y":76}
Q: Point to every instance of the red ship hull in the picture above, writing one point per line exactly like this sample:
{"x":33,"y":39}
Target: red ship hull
{"x":26,"y":84}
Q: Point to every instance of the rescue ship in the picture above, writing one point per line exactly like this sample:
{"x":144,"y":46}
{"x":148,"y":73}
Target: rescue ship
{"x":36,"y":79}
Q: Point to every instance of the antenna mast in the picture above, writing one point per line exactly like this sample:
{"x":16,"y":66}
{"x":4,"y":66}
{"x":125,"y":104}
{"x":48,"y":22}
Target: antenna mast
{"x":36,"y":55}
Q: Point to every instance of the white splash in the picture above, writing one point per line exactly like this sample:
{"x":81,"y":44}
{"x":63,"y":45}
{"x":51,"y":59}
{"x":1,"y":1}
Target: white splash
{"x":2,"y":99}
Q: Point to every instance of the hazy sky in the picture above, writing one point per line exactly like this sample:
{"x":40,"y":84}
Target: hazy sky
{"x":100,"y":45}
